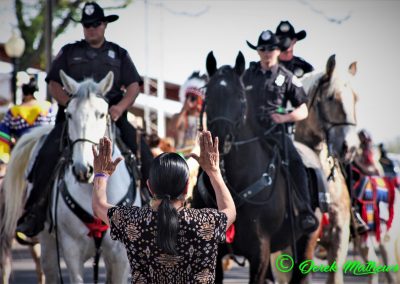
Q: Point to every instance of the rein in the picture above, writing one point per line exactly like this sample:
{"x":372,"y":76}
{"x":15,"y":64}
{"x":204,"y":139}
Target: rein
{"x":98,"y":229}
{"x":327,"y":125}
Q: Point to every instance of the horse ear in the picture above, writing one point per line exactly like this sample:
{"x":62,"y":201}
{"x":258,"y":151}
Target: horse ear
{"x":70,"y":85}
{"x":330,"y":65}
{"x":106,"y":84}
{"x":211,"y":64}
{"x":353,"y":68}
{"x":240,"y":63}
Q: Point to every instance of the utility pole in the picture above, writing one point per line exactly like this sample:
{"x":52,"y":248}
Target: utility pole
{"x":49,"y":38}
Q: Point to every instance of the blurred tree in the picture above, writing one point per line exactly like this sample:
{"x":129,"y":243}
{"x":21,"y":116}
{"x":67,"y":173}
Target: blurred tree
{"x":30,"y":15}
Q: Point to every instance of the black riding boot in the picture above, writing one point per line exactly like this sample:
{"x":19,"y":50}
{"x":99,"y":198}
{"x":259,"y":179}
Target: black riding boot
{"x":32,"y":221}
{"x":128,"y":136}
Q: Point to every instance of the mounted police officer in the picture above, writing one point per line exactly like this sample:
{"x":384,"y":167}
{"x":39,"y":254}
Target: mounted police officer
{"x":272,"y":86}
{"x":288,"y":37}
{"x":93,"y":57}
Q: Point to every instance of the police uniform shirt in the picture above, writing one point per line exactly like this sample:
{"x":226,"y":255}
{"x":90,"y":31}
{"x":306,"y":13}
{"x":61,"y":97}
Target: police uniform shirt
{"x":298,"y":66}
{"x":272,"y":89}
{"x":80,"y":61}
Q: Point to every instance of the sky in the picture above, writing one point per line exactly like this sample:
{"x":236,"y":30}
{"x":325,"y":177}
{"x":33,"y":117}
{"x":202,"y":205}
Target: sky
{"x":170,"y":39}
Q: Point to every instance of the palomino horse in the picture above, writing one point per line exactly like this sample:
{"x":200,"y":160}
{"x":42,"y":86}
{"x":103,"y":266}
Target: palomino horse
{"x":251,"y":168}
{"x":87,"y":121}
{"x":330,"y":130}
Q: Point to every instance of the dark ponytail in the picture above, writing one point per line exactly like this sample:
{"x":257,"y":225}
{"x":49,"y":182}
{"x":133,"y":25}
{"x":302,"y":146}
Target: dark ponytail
{"x":168,"y":177}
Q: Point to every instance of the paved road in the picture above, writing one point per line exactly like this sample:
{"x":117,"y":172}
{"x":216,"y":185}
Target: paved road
{"x":24,"y":273}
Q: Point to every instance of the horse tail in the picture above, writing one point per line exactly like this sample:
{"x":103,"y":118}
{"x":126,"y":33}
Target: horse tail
{"x":15,"y":185}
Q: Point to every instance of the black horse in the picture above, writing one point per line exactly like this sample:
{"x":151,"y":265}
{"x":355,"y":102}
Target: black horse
{"x":251,"y":166}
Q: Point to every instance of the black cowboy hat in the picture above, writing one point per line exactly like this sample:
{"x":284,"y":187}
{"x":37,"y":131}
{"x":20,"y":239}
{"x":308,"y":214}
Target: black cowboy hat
{"x":285,"y":29}
{"x":266,"y":41}
{"x":92,"y":12}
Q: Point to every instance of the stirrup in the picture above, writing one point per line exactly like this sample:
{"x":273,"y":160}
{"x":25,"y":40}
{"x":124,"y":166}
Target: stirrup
{"x":23,"y":239}
{"x":358,"y":225}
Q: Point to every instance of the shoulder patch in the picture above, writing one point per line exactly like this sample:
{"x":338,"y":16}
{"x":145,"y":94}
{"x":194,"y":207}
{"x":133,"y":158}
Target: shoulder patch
{"x":296,"y":82}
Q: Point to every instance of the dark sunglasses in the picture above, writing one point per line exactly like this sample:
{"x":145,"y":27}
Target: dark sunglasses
{"x":267,"y":49}
{"x":94,"y":24}
{"x":191,"y":98}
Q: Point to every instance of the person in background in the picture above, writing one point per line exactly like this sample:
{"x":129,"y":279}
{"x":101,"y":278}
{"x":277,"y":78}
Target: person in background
{"x":165,"y":241}
{"x":92,"y":57}
{"x":364,"y":159}
{"x":288,"y":37}
{"x":184,"y":125}
{"x":271,"y":86}
{"x":21,"y":118}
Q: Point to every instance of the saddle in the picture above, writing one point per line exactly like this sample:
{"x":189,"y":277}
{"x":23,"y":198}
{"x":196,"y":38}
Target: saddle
{"x":320,"y":196}
{"x":375,"y":195}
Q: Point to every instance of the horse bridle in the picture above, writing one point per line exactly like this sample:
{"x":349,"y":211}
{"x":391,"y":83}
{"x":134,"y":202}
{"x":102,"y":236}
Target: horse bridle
{"x":71,"y":144}
{"x":235,"y":123}
{"x":327,"y":124}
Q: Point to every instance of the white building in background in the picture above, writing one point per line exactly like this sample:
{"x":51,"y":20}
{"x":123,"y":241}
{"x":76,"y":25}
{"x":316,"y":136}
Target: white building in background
{"x":151,"y":112}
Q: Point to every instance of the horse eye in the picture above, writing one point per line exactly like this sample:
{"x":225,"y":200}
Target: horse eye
{"x":102,"y":115}
{"x":68,"y":115}
{"x":330,"y":97}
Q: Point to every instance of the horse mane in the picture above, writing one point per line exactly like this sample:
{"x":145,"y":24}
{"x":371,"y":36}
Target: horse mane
{"x":310,"y":80}
{"x":20,"y":157}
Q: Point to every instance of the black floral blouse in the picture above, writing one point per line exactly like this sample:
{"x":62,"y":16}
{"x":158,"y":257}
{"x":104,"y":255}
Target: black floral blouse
{"x":200,"y":231}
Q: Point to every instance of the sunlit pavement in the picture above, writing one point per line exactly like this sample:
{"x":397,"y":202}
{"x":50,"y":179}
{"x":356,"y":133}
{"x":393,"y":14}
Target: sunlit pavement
{"x":24,"y":273}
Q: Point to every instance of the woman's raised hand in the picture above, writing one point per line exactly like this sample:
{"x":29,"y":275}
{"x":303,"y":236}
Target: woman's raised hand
{"x":209,"y":154}
{"x":103,"y":162}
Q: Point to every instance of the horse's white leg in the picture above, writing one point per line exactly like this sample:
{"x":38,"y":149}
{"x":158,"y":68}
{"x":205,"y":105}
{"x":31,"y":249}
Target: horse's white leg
{"x":339,"y":219}
{"x":35,"y":253}
{"x":116,"y":260}
{"x":74,"y":257}
{"x":49,"y":257}
{"x":280,"y":277}
{"x":6,"y":269}
{"x":385,"y":258}
{"x":397,"y":256}
{"x":372,"y":244}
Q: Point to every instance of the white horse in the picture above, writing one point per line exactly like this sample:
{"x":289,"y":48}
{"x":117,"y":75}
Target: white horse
{"x":87,"y":121}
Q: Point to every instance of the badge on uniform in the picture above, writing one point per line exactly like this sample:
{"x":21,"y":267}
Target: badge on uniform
{"x":111,"y":54}
{"x":249,"y":87}
{"x":296,"y":82}
{"x":280,"y":80}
